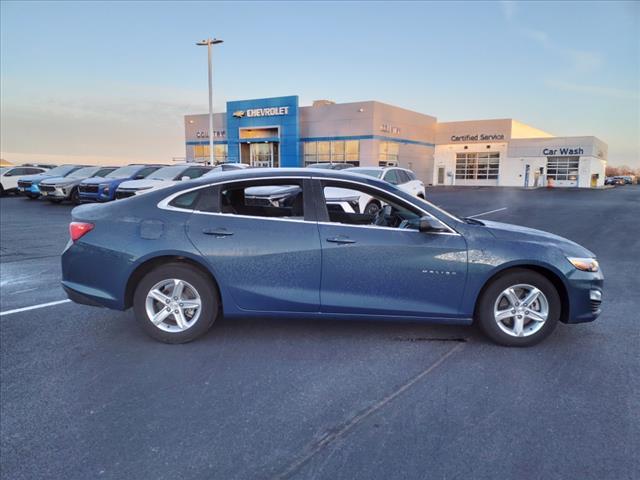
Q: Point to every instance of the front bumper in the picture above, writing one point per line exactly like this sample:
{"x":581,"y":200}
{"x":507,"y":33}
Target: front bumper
{"x":57,"y":193}
{"x":585,"y":291}
{"x":32,"y":189}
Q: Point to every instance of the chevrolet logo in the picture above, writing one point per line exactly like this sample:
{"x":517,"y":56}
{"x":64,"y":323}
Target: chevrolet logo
{"x":239,"y":113}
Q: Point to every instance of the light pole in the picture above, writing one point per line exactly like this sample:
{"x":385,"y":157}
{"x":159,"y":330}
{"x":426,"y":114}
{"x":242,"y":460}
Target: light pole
{"x":209,"y":42}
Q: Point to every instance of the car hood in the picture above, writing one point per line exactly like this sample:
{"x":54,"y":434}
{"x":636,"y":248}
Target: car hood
{"x":336,"y":193}
{"x":60,"y":180}
{"x":146,"y":183}
{"x":96,"y":180}
{"x":271,"y":190}
{"x":37,"y":177}
{"x":516,"y":233}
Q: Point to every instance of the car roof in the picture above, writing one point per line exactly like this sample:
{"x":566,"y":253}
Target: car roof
{"x":306,"y":172}
{"x":381,"y":169}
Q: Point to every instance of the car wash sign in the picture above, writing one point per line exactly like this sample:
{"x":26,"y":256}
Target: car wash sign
{"x":562,"y":151}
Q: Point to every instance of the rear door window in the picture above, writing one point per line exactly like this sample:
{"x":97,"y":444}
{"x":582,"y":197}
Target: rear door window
{"x":264,"y":198}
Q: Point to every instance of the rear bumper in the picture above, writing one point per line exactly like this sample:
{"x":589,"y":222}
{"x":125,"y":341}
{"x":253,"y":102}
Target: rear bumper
{"x":77,"y":297}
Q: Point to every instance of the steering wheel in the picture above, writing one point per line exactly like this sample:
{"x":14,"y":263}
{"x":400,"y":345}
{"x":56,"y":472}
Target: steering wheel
{"x":383,"y":216}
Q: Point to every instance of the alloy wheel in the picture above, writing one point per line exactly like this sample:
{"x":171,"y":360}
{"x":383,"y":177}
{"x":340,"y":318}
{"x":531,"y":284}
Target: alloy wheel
{"x":521,"y":310}
{"x":173,"y":305}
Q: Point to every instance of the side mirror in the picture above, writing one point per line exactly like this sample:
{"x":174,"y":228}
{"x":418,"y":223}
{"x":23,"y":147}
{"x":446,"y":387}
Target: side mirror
{"x":138,"y":177}
{"x":185,"y":178}
{"x":430,"y":224}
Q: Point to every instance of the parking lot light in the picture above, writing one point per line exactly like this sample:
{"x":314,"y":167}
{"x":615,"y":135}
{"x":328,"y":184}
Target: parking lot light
{"x":209,"y":43}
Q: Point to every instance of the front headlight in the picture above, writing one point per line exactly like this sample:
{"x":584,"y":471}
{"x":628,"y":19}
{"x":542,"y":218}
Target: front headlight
{"x":585,"y":264}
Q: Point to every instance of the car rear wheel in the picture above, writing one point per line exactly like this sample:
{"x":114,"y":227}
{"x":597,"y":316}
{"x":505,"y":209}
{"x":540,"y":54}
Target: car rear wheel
{"x":175,"y":303}
{"x":519,"y":308}
{"x":31,"y":196}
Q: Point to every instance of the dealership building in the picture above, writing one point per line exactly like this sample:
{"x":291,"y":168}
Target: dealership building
{"x":277,"y":132}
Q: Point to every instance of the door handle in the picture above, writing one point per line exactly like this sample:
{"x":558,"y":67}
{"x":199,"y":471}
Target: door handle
{"x":218,"y":232}
{"x":340,"y":239}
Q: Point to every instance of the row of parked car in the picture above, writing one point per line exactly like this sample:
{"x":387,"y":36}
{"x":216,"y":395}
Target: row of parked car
{"x":620,"y":180}
{"x":85,"y":183}
{"x":82,"y":183}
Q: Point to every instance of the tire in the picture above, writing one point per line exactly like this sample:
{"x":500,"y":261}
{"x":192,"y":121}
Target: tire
{"x":372,"y":208}
{"x":510,"y":331}
{"x":169,"y":329}
{"x":31,"y":196}
{"x":75,"y":197}
{"x":1,"y":191}
{"x":55,"y":200}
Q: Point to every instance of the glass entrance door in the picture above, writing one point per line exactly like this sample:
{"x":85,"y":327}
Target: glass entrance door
{"x":263,"y":155}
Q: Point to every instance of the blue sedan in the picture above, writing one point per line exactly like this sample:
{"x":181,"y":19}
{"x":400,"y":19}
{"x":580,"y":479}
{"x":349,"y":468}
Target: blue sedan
{"x":293,"y":242}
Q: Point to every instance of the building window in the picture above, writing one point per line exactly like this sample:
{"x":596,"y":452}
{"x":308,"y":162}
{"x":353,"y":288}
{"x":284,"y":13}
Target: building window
{"x":389,"y":153}
{"x":201,"y":153}
{"x":221,"y":153}
{"x":563,"y":168}
{"x":337,"y":151}
{"x":477,"y":166}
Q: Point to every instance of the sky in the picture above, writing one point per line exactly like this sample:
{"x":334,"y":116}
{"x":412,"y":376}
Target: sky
{"x":111,"y":82}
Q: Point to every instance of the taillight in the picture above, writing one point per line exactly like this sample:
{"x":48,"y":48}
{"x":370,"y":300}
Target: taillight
{"x":78,"y":229}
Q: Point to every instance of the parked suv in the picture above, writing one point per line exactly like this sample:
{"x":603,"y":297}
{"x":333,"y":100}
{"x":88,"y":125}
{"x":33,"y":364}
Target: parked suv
{"x":9,"y":177}
{"x":30,"y":184}
{"x":58,"y":189}
{"x":103,"y":189}
{"x":161,"y":178}
{"x":402,"y":178}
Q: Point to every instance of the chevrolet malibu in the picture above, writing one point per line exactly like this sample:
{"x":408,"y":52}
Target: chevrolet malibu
{"x":185,"y":255}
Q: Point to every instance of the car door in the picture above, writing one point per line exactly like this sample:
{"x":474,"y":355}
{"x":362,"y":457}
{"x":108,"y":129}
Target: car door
{"x":264,"y":250}
{"x":381,"y":270}
{"x":10,"y":178}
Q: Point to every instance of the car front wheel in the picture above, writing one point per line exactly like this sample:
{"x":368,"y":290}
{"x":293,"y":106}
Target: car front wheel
{"x":519,"y":308}
{"x":176,"y":303}
{"x":372,"y":208}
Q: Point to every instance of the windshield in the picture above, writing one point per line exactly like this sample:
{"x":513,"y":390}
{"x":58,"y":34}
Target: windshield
{"x":167,"y":173}
{"x":365,"y":171}
{"x":3,"y":169}
{"x":85,"y":172}
{"x":61,"y":171}
{"x":124,"y":172}
{"x":319,"y":165}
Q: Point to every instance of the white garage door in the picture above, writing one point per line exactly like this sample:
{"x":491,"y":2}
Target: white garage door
{"x":563,"y":171}
{"x":477,"y":168}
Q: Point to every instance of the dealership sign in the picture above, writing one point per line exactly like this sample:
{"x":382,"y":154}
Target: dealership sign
{"x":562,"y":151}
{"x":386,"y":128}
{"x":479,"y":137}
{"x":216,"y":134}
{"x":262,"y":112}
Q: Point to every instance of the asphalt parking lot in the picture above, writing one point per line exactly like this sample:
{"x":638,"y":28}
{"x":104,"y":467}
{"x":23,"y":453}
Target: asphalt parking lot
{"x":86,"y":394}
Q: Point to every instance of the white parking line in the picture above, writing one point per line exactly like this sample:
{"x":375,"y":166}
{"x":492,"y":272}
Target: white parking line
{"x":487,"y":213}
{"x":33,"y":307}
